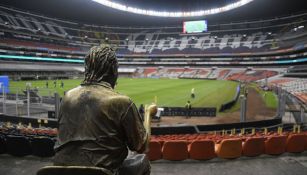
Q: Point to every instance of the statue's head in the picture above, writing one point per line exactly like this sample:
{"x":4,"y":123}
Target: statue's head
{"x":101,"y":65}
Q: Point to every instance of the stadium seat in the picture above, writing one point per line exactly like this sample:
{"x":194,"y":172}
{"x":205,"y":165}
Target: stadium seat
{"x":154,"y":150}
{"x":253,"y":146}
{"x":2,"y":144}
{"x":175,"y":150}
{"x":18,"y":145}
{"x":201,"y":150}
{"x":296,"y":143}
{"x":229,"y":148}
{"x":42,"y":146}
{"x":275,"y":145}
{"x":73,"y":170}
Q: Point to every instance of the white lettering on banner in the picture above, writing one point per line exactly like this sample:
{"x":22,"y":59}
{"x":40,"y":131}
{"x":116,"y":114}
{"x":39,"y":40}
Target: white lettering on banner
{"x":39,"y":26}
{"x":23,"y":22}
{"x":26,"y":23}
{"x":11,"y":20}
{"x":52,"y":26}
{"x":148,"y":44}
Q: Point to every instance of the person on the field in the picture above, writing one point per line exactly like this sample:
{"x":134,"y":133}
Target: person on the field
{"x":98,"y":125}
{"x":192,"y":93}
{"x":47,"y":84}
{"x":54,"y":83}
{"x":188,"y":108}
{"x":62,"y":84}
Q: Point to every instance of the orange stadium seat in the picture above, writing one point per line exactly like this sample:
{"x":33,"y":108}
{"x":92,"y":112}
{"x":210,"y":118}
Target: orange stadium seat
{"x":253,"y":146}
{"x":229,"y":148}
{"x":275,"y":145}
{"x":175,"y":150}
{"x":296,"y":143}
{"x":202,"y":149}
{"x":154,"y":150}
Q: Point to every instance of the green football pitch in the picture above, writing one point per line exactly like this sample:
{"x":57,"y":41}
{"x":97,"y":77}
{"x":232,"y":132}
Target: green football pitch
{"x":166,"y":92}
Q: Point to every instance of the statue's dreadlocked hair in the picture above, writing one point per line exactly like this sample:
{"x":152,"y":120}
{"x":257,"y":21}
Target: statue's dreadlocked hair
{"x":101,"y":65}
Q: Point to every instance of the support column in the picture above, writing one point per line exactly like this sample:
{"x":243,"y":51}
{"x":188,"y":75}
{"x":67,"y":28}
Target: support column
{"x":282,"y":104}
{"x":28,"y":102}
{"x":57,"y":105}
{"x":3,"y":98}
{"x":302,"y":115}
{"x":17,"y":98}
{"x":243,"y":101}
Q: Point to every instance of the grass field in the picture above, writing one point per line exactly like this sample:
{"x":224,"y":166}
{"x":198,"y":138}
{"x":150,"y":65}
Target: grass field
{"x":268,"y":97}
{"x":168,"y":92}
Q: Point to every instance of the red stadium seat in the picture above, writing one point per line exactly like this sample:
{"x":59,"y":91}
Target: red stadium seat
{"x":253,"y":146}
{"x":296,"y":143}
{"x":154,"y":150}
{"x":202,"y":149}
{"x":229,"y":148}
{"x":275,"y":145}
{"x":175,"y":150}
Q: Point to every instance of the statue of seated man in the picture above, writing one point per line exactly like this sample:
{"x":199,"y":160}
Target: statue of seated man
{"x":98,"y":125}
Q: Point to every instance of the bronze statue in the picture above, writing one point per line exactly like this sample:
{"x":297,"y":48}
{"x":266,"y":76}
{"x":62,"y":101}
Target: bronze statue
{"x":96,"y":124}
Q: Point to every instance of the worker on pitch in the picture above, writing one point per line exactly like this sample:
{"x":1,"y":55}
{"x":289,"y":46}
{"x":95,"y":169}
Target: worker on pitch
{"x":62,"y":84}
{"x":192,"y":93}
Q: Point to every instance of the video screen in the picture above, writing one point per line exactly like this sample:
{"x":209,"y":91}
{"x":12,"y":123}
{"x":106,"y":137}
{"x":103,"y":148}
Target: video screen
{"x":195,"y":26}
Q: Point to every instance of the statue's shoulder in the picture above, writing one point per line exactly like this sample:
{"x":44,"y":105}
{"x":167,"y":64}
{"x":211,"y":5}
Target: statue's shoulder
{"x":120,"y":98}
{"x":74,"y":91}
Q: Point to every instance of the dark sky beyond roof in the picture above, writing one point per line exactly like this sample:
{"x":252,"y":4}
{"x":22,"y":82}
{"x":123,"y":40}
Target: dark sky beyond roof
{"x":87,"y":11}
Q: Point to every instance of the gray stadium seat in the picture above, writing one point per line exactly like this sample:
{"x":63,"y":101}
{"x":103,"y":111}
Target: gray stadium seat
{"x":18,"y":145}
{"x":2,"y":144}
{"x":42,"y":146}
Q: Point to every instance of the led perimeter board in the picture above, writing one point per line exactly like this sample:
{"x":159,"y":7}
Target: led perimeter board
{"x":195,"y":26}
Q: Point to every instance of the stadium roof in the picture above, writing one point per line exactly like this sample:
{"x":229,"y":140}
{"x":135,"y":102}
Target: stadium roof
{"x":193,"y":9}
{"x":90,"y":12}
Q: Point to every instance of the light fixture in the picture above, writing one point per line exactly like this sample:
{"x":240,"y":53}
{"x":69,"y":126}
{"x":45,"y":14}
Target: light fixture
{"x":203,"y":12}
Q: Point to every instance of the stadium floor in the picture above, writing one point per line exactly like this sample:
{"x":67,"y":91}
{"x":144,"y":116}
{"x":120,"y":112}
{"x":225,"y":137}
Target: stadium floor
{"x":286,"y":164}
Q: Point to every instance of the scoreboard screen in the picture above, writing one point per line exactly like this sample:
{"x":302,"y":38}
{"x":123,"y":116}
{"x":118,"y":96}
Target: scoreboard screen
{"x":195,"y":26}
